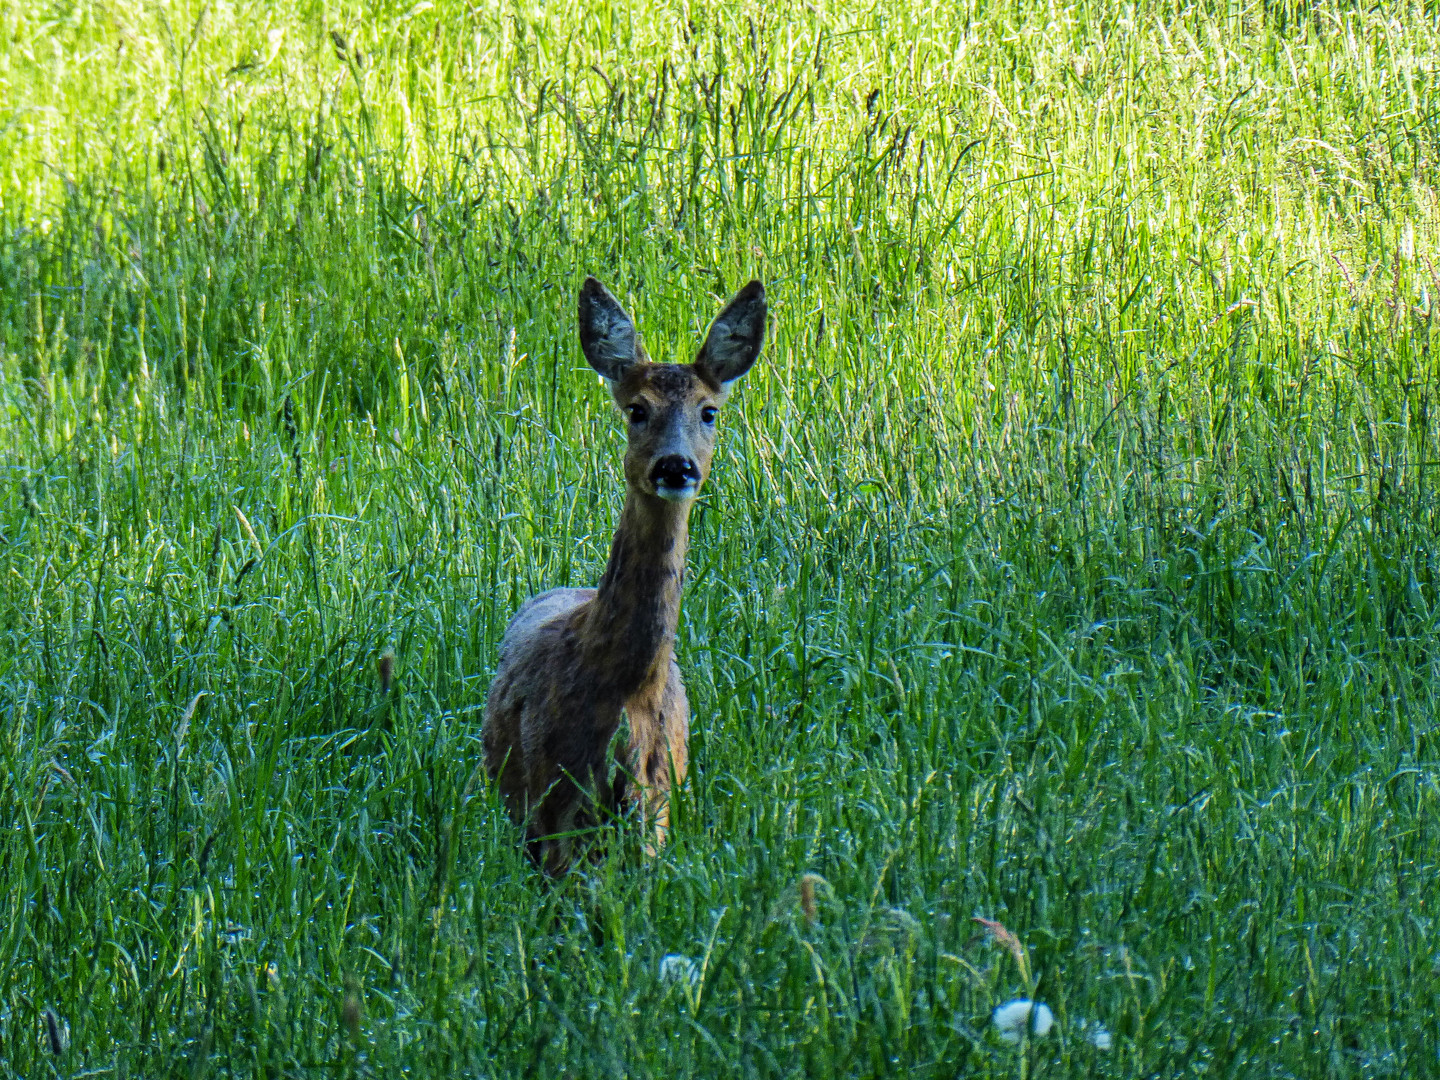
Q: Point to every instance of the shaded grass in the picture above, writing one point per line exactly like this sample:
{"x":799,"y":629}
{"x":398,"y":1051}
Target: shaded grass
{"x":1067,"y":559}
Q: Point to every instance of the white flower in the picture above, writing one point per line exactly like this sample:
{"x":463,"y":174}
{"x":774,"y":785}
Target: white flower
{"x":1096,"y":1034}
{"x":1407,"y":243}
{"x":677,"y":968}
{"x":1013,"y":1018}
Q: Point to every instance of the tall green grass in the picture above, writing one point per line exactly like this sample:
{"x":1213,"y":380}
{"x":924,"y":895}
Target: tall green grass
{"x":1068,"y":559}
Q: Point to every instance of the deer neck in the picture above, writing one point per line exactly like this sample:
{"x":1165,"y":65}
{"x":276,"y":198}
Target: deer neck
{"x":630,"y":627}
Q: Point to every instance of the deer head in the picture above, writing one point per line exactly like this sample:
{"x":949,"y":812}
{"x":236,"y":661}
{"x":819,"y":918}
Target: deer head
{"x":670,"y":409}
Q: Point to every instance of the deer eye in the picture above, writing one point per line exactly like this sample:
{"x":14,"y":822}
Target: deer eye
{"x":708,"y":414}
{"x":636,"y":413}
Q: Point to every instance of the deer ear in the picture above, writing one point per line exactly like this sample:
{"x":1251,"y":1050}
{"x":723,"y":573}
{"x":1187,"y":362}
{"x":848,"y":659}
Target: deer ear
{"x":735,"y":337}
{"x":607,"y":335}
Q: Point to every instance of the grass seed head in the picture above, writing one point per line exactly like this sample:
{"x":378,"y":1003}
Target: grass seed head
{"x":386,"y":667}
{"x":183,"y":728}
{"x":805,"y":895}
{"x":1003,"y":937}
{"x":808,"y":884}
{"x":352,"y":1007}
{"x":252,"y":992}
{"x":893,"y":932}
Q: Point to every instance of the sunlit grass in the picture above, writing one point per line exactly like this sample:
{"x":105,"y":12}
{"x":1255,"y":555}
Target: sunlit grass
{"x":1068,"y":558}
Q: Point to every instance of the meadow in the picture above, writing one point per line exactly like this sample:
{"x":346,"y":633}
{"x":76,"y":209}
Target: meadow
{"x":1068,"y":559}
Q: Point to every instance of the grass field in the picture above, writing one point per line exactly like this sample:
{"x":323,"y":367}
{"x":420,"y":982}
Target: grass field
{"x":1069,"y":558}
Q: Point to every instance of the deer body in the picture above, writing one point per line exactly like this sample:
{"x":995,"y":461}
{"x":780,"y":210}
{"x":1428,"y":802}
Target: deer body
{"x":573,"y":661}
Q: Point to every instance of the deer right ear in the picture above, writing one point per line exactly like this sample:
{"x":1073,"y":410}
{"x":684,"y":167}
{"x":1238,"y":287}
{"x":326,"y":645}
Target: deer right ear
{"x":607,"y":335}
{"x":735,"y":337}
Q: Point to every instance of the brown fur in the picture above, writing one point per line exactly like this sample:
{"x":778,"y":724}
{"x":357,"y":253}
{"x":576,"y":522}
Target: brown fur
{"x":573,"y":660}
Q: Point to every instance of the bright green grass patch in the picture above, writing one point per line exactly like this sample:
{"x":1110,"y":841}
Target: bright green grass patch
{"x":1068,"y":558}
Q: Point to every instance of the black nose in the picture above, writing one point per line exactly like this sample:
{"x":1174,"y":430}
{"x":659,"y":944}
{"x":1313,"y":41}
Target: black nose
{"x":674,"y":471}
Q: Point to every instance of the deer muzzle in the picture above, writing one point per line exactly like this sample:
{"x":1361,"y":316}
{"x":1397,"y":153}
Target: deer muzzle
{"x":675,"y":477}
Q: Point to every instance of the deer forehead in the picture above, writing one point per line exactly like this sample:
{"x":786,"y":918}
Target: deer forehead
{"x":667,"y":384}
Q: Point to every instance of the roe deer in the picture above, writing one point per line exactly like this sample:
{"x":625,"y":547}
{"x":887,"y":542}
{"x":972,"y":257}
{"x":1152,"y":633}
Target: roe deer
{"x":572,"y":660}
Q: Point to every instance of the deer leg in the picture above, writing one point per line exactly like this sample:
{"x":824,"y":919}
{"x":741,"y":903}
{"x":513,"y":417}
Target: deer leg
{"x":551,"y":822}
{"x":659,"y":755}
{"x":550,"y":843}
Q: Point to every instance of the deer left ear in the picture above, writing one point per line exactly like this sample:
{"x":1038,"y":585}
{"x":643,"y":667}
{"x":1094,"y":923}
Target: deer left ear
{"x":735,"y":337}
{"x":607,"y":334}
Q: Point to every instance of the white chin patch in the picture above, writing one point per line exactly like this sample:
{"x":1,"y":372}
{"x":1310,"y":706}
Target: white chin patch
{"x":677,"y":494}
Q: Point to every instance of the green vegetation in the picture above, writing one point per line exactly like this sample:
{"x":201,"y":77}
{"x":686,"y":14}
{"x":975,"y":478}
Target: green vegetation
{"x":1068,"y":558}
